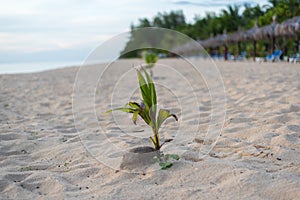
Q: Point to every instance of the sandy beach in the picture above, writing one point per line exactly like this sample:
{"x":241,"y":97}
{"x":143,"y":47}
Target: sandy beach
{"x":255,"y":156}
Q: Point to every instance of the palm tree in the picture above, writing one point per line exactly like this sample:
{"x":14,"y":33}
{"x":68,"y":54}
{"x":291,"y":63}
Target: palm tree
{"x":231,"y":18}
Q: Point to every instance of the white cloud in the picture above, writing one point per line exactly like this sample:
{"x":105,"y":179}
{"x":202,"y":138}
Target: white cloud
{"x":15,"y":7}
{"x":54,"y":25}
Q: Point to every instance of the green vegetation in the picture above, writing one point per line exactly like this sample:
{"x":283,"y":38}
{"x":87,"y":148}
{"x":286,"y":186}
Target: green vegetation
{"x":163,"y":160}
{"x":147,"y":110}
{"x":27,"y":168}
{"x":231,"y":19}
{"x":150,"y":59}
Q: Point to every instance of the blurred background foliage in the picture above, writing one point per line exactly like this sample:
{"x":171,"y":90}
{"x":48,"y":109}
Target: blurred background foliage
{"x":230,"y":19}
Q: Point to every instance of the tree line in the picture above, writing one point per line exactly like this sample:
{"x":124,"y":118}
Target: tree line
{"x":230,"y":19}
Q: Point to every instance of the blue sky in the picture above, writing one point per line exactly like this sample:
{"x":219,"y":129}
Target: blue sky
{"x":67,"y":30}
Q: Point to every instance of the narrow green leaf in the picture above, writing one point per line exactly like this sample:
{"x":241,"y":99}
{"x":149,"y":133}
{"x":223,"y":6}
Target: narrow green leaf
{"x":144,"y":89}
{"x":134,"y":104}
{"x":127,"y":110}
{"x":106,"y":112}
{"x":134,"y":116}
{"x":152,"y":114}
{"x":152,"y":89}
{"x":144,"y":114}
{"x":153,"y":99}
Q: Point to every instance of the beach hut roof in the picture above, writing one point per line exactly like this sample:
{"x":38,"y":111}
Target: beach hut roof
{"x":289,"y":27}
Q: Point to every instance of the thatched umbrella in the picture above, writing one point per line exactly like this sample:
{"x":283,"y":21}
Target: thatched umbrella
{"x":268,"y":32}
{"x":233,"y":38}
{"x":217,"y":41}
{"x":224,"y":39}
{"x":289,"y":28}
{"x":253,"y":35}
{"x":208,"y":43}
{"x":236,"y":37}
{"x":188,"y":48}
{"x":212,"y":42}
{"x":205,"y":43}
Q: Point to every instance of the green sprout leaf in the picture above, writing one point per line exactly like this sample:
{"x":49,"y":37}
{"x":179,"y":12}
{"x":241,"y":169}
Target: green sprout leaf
{"x":144,"y":89}
{"x":127,"y":110}
{"x":165,"y":165}
{"x":175,"y":156}
{"x":134,"y":105}
{"x":163,"y":115}
{"x":147,"y":109}
{"x":151,"y":88}
{"x":134,"y":116}
{"x":150,"y":58}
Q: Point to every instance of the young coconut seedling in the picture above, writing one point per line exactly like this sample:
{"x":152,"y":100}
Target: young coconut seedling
{"x":147,"y":110}
{"x":150,"y":59}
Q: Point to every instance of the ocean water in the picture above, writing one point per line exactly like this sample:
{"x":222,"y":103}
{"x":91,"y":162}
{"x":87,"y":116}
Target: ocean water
{"x":15,"y":68}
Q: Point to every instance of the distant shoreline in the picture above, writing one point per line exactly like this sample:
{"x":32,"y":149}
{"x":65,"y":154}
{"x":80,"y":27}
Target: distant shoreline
{"x":24,"y":68}
{"x":36,"y":67}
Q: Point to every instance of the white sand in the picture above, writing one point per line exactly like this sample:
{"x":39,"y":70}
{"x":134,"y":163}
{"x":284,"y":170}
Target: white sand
{"x":257,"y":155}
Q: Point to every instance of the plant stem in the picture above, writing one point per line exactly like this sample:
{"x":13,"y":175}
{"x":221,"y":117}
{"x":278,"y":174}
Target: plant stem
{"x":156,"y":139}
{"x":152,"y":141}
